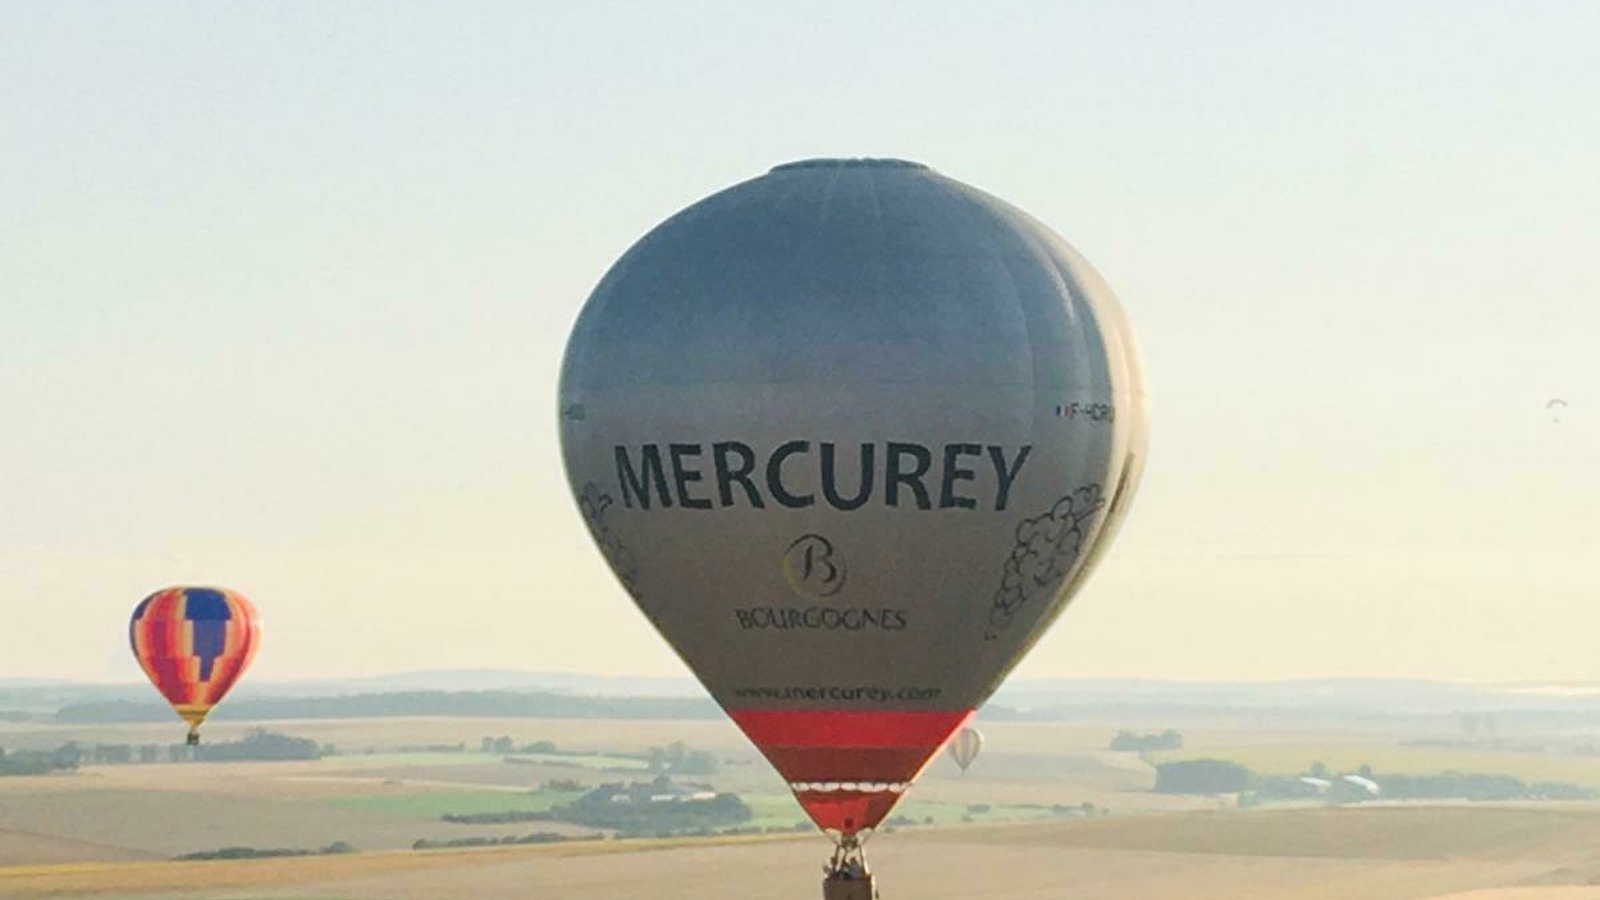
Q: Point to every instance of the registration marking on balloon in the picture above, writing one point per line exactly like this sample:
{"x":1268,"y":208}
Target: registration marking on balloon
{"x":1093,"y":412}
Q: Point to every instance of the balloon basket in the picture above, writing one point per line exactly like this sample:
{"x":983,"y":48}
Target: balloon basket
{"x":849,"y":889}
{"x":846,"y":876}
{"x":193,"y":740}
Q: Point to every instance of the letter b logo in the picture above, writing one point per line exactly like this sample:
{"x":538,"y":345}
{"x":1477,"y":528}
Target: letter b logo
{"x":813,"y":567}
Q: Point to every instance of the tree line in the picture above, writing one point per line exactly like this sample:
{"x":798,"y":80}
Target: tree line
{"x":335,"y":848}
{"x":1218,"y":776}
{"x":258,"y":744}
{"x":1142,"y":743}
{"x":655,"y":807}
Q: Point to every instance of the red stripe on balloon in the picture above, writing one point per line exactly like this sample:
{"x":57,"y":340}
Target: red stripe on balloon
{"x":166,"y":653}
{"x":895,"y":765}
{"x":849,"y":728}
{"x":854,"y":748}
{"x":847,"y":812}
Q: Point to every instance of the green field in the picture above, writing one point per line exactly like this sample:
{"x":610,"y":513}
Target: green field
{"x":433,"y":804}
{"x":774,"y":810}
{"x":944,"y":813}
{"x":473,"y":757}
{"x":1395,"y":759}
{"x":403,"y":760}
{"x":782,"y":811}
{"x":584,"y":761}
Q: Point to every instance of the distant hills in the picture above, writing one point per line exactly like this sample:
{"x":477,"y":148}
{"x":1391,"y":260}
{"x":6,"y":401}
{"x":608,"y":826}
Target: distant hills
{"x":392,"y":704}
{"x":1398,"y":696}
{"x":500,"y":692}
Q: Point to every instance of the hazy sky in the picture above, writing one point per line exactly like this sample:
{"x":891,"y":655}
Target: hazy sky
{"x":284,"y":289}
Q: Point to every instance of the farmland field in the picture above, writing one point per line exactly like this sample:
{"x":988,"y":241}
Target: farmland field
{"x":1354,"y":854}
{"x":432,"y":804}
{"x":1397,"y":759}
{"x":1047,"y":810}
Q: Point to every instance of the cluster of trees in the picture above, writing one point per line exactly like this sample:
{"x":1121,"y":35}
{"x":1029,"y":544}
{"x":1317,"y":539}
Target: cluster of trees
{"x":1215,"y":776}
{"x":124,"y":754}
{"x":679,"y":759}
{"x":261,"y":853}
{"x":657,"y":807}
{"x":64,"y":758}
{"x":1203,"y":776}
{"x":1128,"y":741}
{"x":259,"y":744}
{"x":504,"y":744}
{"x":1451,"y":785}
{"x":511,"y":704}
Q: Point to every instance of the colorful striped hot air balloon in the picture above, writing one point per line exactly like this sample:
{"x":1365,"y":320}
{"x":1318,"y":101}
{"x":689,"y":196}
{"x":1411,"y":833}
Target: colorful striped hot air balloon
{"x":194,"y":643}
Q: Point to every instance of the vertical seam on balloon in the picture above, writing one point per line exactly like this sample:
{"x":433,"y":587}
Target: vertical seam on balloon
{"x":867,"y":177}
{"x":189,"y":660}
{"x":827,"y":195}
{"x":172,"y":645}
{"x":237,"y":640}
{"x":222,"y":664}
{"x":140,"y":638}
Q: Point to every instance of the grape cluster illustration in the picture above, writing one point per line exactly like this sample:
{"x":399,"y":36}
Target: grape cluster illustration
{"x":1047,"y":548}
{"x":593,"y":504}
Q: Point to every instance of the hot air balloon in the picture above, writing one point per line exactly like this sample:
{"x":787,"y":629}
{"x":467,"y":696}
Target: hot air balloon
{"x":1555,"y":406}
{"x":194,"y":643}
{"x":851,"y":434}
{"x":965,"y":745}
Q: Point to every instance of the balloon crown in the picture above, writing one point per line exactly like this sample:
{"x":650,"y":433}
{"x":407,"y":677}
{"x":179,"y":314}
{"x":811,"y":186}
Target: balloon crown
{"x":849,"y":163}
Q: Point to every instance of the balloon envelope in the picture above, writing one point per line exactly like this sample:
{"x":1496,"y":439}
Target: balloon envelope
{"x":851,"y":434}
{"x":965,"y":745}
{"x":194,"y":643}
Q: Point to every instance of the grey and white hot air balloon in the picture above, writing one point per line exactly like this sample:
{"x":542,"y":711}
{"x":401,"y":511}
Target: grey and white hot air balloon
{"x":851,"y":434}
{"x":965,"y":745}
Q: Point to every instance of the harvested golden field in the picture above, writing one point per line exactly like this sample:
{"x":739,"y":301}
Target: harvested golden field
{"x":381,"y":794}
{"x":1489,"y":853}
{"x":21,"y":847}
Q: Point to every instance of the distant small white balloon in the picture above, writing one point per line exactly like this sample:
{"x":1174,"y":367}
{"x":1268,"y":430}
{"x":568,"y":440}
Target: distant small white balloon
{"x":965,"y":745}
